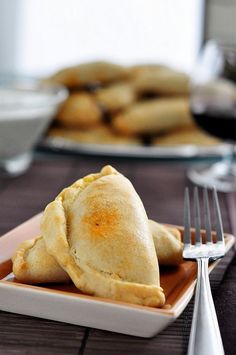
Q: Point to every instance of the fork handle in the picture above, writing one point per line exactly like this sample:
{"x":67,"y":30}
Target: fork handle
{"x":205,"y":338}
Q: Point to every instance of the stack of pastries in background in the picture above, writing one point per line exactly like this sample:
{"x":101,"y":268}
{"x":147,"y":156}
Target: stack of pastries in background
{"x":145,"y":104}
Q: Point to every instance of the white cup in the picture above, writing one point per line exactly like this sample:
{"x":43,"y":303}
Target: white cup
{"x":27,"y":107}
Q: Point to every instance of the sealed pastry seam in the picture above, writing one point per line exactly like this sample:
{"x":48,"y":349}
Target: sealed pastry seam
{"x":55,"y":229}
{"x":32,"y":264}
{"x":19,"y":258}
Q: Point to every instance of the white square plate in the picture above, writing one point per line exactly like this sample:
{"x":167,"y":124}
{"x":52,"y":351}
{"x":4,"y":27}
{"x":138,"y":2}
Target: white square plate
{"x":63,"y":302}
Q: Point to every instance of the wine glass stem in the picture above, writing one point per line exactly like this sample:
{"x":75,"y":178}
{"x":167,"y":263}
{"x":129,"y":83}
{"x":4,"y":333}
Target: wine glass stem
{"x":229,"y":158}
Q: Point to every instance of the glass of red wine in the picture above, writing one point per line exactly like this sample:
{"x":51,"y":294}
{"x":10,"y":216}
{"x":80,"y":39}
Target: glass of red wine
{"x":213,"y":106}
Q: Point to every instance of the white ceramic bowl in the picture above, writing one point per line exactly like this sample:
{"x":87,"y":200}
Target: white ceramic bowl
{"x":27,"y":107}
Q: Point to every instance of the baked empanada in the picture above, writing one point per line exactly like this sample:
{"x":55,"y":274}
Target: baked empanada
{"x":86,"y":73}
{"x":167,"y":243}
{"x":162,"y":82}
{"x":80,"y":110}
{"x":191,"y":135}
{"x":116,"y":96}
{"x":98,"y":231}
{"x":32,"y":264}
{"x":28,"y":268}
{"x":146,"y":69}
{"x":98,"y":135}
{"x":154,"y":116}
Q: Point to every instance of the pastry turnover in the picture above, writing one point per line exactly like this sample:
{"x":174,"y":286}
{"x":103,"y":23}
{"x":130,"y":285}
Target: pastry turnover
{"x":162,"y":81}
{"x":154,"y":116}
{"x":167,"y":243}
{"x":32,"y":264}
{"x":146,"y":69}
{"x":96,"y":135}
{"x":80,"y":110}
{"x":97,"y":230}
{"x":190,"y":135}
{"x":116,"y":96}
{"x":86,"y":73}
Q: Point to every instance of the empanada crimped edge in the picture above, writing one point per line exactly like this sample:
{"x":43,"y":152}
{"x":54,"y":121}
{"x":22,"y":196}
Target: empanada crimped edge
{"x":87,"y":279}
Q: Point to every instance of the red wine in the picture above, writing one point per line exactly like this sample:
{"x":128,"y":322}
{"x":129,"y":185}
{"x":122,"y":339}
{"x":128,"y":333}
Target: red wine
{"x":214,"y":110}
{"x":221,"y":124}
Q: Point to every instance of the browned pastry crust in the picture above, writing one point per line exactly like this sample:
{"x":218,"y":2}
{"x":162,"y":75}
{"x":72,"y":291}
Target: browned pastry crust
{"x":32,"y":264}
{"x":98,"y":232}
{"x":163,"y":84}
{"x":168,"y":244}
{"x":86,"y":73}
{"x":160,"y":80}
{"x":192,"y":135}
{"x":146,"y":69}
{"x":154,"y":116}
{"x":80,"y":110}
{"x":116,"y":96}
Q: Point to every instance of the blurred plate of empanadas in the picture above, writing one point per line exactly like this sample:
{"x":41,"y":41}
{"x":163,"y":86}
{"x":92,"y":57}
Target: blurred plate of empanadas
{"x":140,"y":110}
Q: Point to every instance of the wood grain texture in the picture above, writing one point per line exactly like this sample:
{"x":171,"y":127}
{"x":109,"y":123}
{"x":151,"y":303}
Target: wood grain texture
{"x":161,"y":186}
{"x":28,"y":335}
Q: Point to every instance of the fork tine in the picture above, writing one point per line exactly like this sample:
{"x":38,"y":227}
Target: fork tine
{"x":197,"y":219}
{"x":187,"y":218}
{"x":218,"y":219}
{"x":207,"y":215}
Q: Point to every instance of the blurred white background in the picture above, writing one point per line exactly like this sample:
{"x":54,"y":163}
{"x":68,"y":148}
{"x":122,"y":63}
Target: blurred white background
{"x":38,"y":37}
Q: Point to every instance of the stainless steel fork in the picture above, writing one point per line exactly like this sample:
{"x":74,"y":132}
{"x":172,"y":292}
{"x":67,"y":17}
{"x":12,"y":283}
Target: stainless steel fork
{"x":205,"y":338}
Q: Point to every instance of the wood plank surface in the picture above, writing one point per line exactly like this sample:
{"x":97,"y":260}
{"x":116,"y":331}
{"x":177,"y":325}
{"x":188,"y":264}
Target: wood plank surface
{"x":161,"y":186}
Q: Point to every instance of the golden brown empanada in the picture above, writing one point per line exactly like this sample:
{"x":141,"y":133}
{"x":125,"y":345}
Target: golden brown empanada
{"x":32,"y":264}
{"x":146,"y":69}
{"x":28,"y":268}
{"x":153,"y":116}
{"x":98,"y":135}
{"x":86,"y":73}
{"x":98,"y":231}
{"x":190,"y":135}
{"x":167,"y":243}
{"x":80,"y":110}
{"x":116,"y":97}
{"x":162,"y":82}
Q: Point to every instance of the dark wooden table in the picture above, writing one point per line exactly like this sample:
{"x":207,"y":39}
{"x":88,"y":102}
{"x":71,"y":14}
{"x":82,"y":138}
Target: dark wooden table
{"x":161,"y":186}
